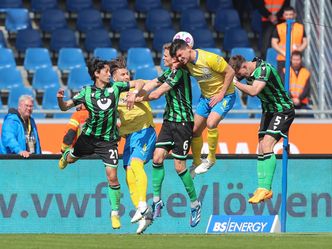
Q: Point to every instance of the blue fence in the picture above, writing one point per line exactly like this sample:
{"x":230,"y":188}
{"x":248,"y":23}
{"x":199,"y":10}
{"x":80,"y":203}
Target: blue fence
{"x":36,"y":197}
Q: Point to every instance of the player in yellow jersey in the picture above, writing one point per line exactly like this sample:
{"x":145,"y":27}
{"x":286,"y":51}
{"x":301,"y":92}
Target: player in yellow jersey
{"x":215,"y":78}
{"x":137,"y":128}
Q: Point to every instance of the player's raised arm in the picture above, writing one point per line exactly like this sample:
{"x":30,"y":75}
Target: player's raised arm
{"x":63,"y":105}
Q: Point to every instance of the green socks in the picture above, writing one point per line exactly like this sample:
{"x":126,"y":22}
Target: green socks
{"x":265,"y":170}
{"x":114,"y":195}
{"x":158,"y":174}
{"x":188,"y":184}
{"x":260,"y":171}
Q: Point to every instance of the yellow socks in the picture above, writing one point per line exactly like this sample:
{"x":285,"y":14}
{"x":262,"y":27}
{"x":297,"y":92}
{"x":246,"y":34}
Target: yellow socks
{"x":196,"y":148}
{"x":212,"y":139}
{"x":131,"y":183}
{"x":137,"y":167}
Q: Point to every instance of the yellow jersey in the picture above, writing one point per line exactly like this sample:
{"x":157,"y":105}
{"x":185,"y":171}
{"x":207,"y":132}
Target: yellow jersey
{"x":138,"y":118}
{"x":208,"y":69}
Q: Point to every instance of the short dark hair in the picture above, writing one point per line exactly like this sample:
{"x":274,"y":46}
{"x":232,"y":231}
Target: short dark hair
{"x":297,"y":53}
{"x":236,"y":62}
{"x":118,"y":63}
{"x":289,"y":8}
{"x":95,"y":65}
{"x":176,"y":45}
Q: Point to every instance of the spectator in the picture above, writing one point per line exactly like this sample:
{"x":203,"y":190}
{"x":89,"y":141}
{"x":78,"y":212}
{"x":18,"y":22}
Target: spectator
{"x":278,"y":41}
{"x":19,"y":131}
{"x":74,"y":127}
{"x":271,"y":12}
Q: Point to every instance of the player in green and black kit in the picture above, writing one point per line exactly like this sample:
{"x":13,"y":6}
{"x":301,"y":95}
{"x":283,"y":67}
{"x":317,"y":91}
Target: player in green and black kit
{"x":278,"y":114}
{"x":175,"y":134}
{"x":99,"y":133}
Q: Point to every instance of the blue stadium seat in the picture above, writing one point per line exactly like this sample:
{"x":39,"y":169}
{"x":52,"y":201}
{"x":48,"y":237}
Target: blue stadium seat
{"x":77,"y":78}
{"x":181,"y":5}
{"x":254,"y":103}
{"x":52,"y":19}
{"x":10,"y":77}
{"x":162,"y":65}
{"x":45,"y":78}
{"x":89,"y":19}
{"x":158,"y":105}
{"x":138,"y":58}
{"x":110,"y":6}
{"x":3,"y":42}
{"x":271,"y":57}
{"x":157,"y":19}
{"x":226,"y":19}
{"x":5,"y":4}
{"x":238,"y":105}
{"x":7,"y":58}
{"x":146,"y":73}
{"x":2,"y":115}
{"x":28,"y":38}
{"x":15,"y":93}
{"x":123,"y":19}
{"x":63,"y":38}
{"x":215,"y":51}
{"x":36,"y":58}
{"x":105,"y":53}
{"x":50,"y":102}
{"x":70,"y":58}
{"x":192,"y":20}
{"x":97,"y":38}
{"x":235,"y":37}
{"x":247,"y":53}
{"x":147,"y":5}
{"x":40,"y":6}
{"x":76,"y":6}
{"x":17,"y":19}
{"x":131,"y":38}
{"x":196,"y":91}
{"x":256,"y":26}
{"x":160,"y":38}
{"x":203,"y":38}
{"x":214,"y":5}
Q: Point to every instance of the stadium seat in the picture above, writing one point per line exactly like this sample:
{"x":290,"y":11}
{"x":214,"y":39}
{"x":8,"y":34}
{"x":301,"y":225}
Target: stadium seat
{"x":158,"y":105}
{"x":144,"y":6}
{"x":203,"y":38}
{"x":235,"y":37}
{"x":45,"y":78}
{"x":28,"y":38}
{"x":39,"y":6}
{"x":89,"y":19}
{"x":10,"y":77}
{"x":254,"y":103}
{"x":138,"y":58}
{"x":2,"y":115}
{"x":123,"y":19}
{"x":238,"y":105}
{"x":50,"y":102}
{"x":226,"y":19}
{"x":247,"y":53}
{"x":70,"y":58}
{"x":97,"y":38}
{"x":78,"y":77}
{"x":52,"y":19}
{"x":17,"y":19}
{"x":271,"y":57}
{"x":196,"y":91}
{"x":214,"y":5}
{"x":160,"y":38}
{"x":15,"y":93}
{"x":192,"y":20}
{"x":36,"y":58}
{"x":215,"y":51}
{"x":76,"y":6}
{"x":7,"y":58}
{"x":5,"y":4}
{"x":146,"y":73}
{"x":162,"y":65}
{"x":256,"y":26}
{"x":157,"y":19}
{"x":3,"y":42}
{"x":63,"y":38}
{"x":105,"y":53}
{"x":181,"y":5}
{"x":131,"y":38}
{"x":110,"y":6}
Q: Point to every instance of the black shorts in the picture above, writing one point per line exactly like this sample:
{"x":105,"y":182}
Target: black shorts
{"x":276,"y":124}
{"x":176,"y":137}
{"x":107,"y":150}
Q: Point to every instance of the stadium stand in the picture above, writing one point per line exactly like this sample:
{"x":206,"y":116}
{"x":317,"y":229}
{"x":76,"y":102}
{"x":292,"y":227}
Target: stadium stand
{"x":226,"y":19}
{"x":28,"y":38}
{"x":39,"y":6}
{"x":247,"y":53}
{"x":96,"y":38}
{"x":78,"y":77}
{"x":52,"y":19}
{"x":70,"y":58}
{"x":214,"y":5}
{"x":147,"y":73}
{"x":45,"y":78}
{"x":158,"y":19}
{"x":7,"y":58}
{"x":75,"y":6}
{"x":63,"y":38}
{"x":139,"y":58}
{"x":105,"y":53}
{"x":17,"y":19}
{"x":109,"y":6}
{"x":5,"y":4}
{"x":131,"y":38}
{"x":10,"y":77}
{"x":36,"y":58}
{"x":144,"y":6}
{"x":123,"y":19}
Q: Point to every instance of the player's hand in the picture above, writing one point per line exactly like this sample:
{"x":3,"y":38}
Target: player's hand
{"x":296,"y":101}
{"x":25,"y":154}
{"x":60,"y":93}
{"x":215,"y":99}
{"x":175,"y":63}
{"x":130,"y":100}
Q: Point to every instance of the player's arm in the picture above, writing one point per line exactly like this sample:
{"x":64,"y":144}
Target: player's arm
{"x":156,"y":94}
{"x":138,"y":85}
{"x":64,"y":105}
{"x":252,"y":90}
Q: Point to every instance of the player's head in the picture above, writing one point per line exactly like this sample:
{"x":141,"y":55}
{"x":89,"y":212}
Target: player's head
{"x":296,"y":60}
{"x":240,"y":66}
{"x":289,"y":13}
{"x":119,"y":71}
{"x":99,"y":70}
{"x":181,"y":51}
{"x":166,"y":55}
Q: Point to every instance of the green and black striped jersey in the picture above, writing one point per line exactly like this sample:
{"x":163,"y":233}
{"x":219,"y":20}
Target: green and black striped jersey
{"x":102,"y":107}
{"x":274,"y":97}
{"x":179,"y":98}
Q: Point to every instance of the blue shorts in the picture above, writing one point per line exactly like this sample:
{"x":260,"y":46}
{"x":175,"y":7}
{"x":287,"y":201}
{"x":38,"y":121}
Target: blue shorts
{"x":222,"y":108}
{"x":139,"y":144}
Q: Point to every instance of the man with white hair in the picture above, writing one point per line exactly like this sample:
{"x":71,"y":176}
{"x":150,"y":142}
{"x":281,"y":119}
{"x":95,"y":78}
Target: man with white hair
{"x":19,"y":131}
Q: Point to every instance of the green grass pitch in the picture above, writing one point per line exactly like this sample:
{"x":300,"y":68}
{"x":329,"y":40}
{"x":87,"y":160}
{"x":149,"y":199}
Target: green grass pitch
{"x":180,"y":241}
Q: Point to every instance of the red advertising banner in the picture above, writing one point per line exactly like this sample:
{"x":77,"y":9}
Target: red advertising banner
{"x":234,"y":138}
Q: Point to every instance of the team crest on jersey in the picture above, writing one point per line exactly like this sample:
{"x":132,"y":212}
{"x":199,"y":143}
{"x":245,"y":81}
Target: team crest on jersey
{"x":104,"y":103}
{"x":206,"y":74}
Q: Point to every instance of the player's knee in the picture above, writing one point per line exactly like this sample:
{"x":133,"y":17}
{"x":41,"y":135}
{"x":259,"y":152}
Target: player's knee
{"x":212,"y":124}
